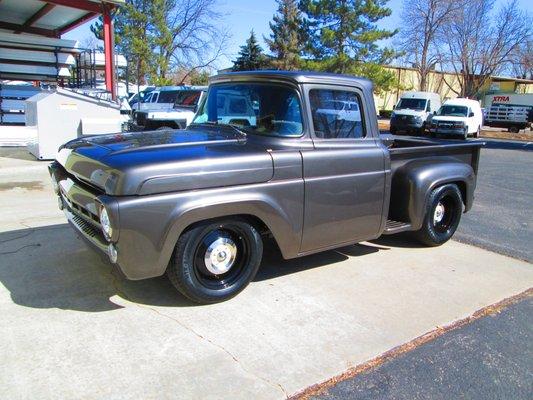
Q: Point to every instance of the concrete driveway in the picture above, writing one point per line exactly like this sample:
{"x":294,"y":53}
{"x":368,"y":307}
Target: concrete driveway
{"x":73,"y":328}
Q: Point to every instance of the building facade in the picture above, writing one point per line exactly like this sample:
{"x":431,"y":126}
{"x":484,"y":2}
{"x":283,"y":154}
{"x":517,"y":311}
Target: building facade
{"x":447,"y":85}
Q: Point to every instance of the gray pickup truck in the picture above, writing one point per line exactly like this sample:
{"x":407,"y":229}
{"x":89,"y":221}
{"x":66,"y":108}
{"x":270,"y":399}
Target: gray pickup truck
{"x":294,"y":156}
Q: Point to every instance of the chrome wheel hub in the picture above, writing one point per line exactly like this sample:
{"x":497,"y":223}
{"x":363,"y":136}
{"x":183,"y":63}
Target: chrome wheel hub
{"x":220,"y":256}
{"x":438,"y":215}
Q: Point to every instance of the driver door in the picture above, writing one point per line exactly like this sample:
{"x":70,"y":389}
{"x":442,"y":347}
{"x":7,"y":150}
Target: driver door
{"x":344,"y":174}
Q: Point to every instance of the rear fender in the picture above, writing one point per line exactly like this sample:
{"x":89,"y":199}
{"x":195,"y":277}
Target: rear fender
{"x":414,"y":181}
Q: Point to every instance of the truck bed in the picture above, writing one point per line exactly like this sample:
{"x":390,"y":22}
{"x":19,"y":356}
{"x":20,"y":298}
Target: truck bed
{"x":406,"y":149}
{"x":409,"y":153}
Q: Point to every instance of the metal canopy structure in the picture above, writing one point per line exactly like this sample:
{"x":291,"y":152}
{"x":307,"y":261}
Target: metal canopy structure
{"x":52,"y":18}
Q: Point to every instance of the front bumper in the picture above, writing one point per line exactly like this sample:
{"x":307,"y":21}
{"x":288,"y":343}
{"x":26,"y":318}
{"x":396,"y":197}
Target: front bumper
{"x":405,"y":123}
{"x":447,"y":131}
{"x":80,"y":208}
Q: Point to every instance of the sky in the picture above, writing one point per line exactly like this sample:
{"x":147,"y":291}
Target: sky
{"x":241,"y":16}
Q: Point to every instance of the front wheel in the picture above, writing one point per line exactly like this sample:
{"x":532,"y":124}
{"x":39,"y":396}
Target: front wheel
{"x":215,"y":260}
{"x":465,"y":134}
{"x":443,"y":213}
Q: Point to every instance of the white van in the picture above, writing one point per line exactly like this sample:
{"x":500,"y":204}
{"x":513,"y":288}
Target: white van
{"x":413,"y":112}
{"x":457,"y":117}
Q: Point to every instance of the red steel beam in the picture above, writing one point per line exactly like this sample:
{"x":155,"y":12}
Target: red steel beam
{"x":28,"y":29}
{"x":109,"y":48}
{"x":39,"y":14}
{"x":74,"y":24}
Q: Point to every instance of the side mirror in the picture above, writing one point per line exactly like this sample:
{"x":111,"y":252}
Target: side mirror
{"x":471,"y":114}
{"x":394,"y":107}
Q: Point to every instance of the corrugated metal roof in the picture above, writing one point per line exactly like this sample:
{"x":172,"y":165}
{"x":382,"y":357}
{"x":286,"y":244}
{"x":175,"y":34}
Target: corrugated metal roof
{"x":49,"y":17}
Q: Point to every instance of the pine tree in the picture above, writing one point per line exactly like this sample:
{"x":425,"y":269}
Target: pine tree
{"x":344,"y":32}
{"x":286,"y":39}
{"x":251,"y":56}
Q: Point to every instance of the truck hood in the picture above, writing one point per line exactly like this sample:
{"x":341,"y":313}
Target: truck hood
{"x":448,"y":118}
{"x":408,"y":111}
{"x":166,"y":161}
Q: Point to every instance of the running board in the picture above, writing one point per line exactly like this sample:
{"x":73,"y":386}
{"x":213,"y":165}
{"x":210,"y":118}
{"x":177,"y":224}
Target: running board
{"x":395,"y":227}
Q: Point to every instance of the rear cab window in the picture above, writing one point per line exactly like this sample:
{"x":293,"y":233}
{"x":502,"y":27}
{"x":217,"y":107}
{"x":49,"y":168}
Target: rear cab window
{"x":336,"y":114}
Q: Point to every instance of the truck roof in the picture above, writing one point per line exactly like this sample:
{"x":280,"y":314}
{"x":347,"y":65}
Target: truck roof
{"x":419,"y":95}
{"x":294,"y":77}
{"x":461,"y":102}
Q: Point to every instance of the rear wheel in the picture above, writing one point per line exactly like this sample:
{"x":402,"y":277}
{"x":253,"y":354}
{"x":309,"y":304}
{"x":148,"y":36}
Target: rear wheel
{"x":443,"y":213}
{"x":215,"y":260}
{"x":478,"y":132}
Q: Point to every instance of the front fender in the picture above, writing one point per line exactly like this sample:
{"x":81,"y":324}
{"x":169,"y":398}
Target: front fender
{"x":413,"y":182}
{"x":151,"y":225}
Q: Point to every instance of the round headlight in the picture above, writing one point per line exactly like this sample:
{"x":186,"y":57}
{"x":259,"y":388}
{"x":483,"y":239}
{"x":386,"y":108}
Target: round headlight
{"x":105,"y":223}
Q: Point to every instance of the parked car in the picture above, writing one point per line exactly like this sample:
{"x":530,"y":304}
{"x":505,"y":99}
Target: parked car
{"x":136,"y":99}
{"x":177,"y":117}
{"x":413,"y":112}
{"x":161,"y":98}
{"x":197,"y":204}
{"x":458,"y":117}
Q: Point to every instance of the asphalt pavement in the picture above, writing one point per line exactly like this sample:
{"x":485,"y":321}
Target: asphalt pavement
{"x":490,"y":358}
{"x":501,"y":219}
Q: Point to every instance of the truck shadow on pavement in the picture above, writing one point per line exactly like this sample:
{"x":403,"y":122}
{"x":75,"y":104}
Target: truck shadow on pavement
{"x":50,"y":267}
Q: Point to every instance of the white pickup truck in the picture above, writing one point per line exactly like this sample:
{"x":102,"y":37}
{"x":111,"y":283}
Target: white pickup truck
{"x":178,"y":116}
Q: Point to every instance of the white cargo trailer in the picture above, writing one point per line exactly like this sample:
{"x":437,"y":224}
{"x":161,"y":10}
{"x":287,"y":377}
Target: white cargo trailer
{"x":63,"y":115}
{"x":509,"y":110}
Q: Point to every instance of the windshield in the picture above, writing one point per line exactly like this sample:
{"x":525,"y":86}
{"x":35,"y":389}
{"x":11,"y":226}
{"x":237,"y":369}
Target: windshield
{"x":412,"y":104}
{"x":167,"y":96}
{"x":453,"y":111}
{"x":187,"y":98}
{"x":254,"y":108}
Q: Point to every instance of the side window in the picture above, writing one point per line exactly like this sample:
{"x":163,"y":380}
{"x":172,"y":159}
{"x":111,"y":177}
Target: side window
{"x":154,"y":98}
{"x":336,"y":114}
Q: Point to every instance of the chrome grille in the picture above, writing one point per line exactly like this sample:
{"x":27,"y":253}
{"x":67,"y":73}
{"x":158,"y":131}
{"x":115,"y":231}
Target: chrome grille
{"x":86,"y":227}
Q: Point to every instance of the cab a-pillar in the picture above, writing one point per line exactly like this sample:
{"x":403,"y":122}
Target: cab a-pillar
{"x":109,"y":51}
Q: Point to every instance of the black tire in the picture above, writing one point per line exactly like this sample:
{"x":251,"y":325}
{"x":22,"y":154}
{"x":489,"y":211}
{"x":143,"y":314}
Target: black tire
{"x":434,"y":232}
{"x":478,"y":132}
{"x":188,"y":270}
{"x":514,"y":129}
{"x":465,"y":133}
